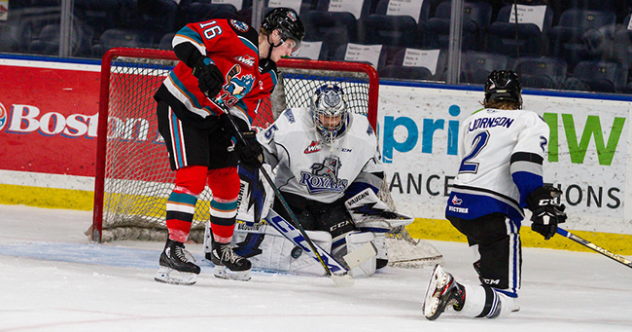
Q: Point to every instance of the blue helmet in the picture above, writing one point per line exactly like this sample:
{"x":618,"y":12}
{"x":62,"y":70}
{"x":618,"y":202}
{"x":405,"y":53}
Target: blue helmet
{"x":329,"y":111}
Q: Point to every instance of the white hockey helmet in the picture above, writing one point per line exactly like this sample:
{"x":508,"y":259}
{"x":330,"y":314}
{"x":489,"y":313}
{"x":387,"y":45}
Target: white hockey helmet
{"x":329,"y":111}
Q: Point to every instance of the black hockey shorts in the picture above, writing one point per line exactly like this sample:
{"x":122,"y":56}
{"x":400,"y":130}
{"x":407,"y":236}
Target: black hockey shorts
{"x":317,"y":216}
{"x":498,"y":241}
{"x":189,"y":146}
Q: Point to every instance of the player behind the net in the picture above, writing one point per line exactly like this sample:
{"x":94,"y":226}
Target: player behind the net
{"x":328,"y":170}
{"x":501,"y":151}
{"x":221,"y":62}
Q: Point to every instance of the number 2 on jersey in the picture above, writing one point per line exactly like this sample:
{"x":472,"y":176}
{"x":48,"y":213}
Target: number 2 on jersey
{"x":480,"y":141}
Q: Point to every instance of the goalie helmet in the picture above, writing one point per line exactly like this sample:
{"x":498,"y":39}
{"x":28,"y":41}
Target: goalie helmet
{"x":329,"y":111}
{"x":286,"y":21}
{"x":503,"y":85}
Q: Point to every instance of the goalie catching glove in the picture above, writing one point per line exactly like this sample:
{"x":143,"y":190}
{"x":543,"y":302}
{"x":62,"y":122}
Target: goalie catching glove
{"x":210,"y":78}
{"x":546,"y":212}
{"x":368,"y":211}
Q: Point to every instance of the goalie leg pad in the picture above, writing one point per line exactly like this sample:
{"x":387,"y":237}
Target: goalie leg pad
{"x":355,"y":240}
{"x":382,"y":250}
{"x":279,"y":254}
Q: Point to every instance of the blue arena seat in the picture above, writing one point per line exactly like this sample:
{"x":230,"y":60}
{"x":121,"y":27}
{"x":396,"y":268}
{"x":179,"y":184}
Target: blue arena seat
{"x":622,"y":44}
{"x":476,"y":20}
{"x":519,"y":39}
{"x":406,"y":73}
{"x":541,"y":72}
{"x":123,"y":38}
{"x":566,"y":37}
{"x":339,"y":55}
{"x":323,"y":5}
{"x":400,"y":30}
{"x":476,"y":66}
{"x":165,"y":41}
{"x":395,"y":68}
{"x":306,"y":5}
{"x":201,"y":11}
{"x":332,"y":28}
{"x":599,"y":76}
{"x":98,"y":15}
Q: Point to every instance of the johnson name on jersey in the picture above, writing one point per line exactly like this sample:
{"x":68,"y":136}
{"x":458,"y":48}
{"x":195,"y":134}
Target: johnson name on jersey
{"x":318,"y":171}
{"x":501,"y":153}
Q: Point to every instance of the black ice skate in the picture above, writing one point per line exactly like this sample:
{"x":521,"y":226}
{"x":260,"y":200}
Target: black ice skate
{"x":229,"y":265}
{"x":442,"y":291}
{"x":175,"y":266}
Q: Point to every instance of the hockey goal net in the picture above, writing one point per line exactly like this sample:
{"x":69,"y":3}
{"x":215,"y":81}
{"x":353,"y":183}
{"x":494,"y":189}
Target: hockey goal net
{"x":133,"y":177}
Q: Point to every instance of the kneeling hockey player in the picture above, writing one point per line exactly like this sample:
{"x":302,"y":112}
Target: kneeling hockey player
{"x":329,"y":171}
{"x":502,"y":149}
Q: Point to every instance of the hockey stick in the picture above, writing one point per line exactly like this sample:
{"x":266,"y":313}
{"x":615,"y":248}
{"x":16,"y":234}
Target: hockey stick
{"x":595,"y":247}
{"x":341,"y":279}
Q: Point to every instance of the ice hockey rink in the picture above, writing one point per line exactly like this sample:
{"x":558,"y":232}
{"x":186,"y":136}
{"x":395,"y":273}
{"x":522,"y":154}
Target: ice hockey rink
{"x":53,"y":279}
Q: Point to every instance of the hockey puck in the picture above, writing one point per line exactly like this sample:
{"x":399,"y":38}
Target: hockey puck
{"x":296,"y":252}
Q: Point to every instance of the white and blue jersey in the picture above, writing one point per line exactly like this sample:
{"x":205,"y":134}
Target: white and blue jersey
{"x":319,"y":171}
{"x":501,"y":154}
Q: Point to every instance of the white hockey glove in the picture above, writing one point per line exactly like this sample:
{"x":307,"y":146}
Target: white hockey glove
{"x":368,"y":211}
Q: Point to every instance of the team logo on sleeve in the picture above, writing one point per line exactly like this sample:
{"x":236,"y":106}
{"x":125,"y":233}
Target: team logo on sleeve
{"x":313,"y":147}
{"x":324,"y":177}
{"x":289,"y":115}
{"x":239,"y":25}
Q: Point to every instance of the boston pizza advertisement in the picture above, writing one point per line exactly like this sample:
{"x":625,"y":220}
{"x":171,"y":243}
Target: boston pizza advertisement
{"x":48,"y":117}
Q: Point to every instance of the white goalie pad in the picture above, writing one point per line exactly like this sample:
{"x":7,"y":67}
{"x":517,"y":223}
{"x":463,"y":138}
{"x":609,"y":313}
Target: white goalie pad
{"x":273,"y":252}
{"x":368,"y":211}
{"x":361,"y":241}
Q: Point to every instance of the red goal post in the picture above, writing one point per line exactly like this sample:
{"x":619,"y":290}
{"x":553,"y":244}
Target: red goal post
{"x":133,"y":178}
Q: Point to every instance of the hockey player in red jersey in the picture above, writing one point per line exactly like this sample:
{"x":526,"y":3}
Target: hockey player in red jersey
{"x":502,"y":149}
{"x":221,"y":62}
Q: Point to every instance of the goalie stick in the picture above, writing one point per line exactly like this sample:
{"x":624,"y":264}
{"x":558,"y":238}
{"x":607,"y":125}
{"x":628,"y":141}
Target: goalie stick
{"x":595,"y":247}
{"x":340,"y":279}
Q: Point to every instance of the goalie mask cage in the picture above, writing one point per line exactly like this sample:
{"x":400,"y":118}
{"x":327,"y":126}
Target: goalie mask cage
{"x":133,"y":177}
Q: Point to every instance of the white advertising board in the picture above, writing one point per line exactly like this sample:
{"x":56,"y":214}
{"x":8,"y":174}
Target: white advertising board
{"x":588,"y":156}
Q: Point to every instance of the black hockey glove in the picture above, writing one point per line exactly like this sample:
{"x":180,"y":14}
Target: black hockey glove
{"x":546,"y":212}
{"x":250,"y":155}
{"x":210,"y":78}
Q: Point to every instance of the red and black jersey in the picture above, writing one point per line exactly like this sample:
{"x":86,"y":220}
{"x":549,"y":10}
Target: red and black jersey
{"x":233,"y":47}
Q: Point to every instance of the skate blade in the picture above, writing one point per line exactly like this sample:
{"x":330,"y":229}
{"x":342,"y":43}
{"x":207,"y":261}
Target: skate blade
{"x":433,"y":293}
{"x":224,"y":273}
{"x":174,"y":277}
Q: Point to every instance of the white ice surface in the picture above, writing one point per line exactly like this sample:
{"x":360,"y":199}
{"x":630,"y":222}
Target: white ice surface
{"x":53,"y":279}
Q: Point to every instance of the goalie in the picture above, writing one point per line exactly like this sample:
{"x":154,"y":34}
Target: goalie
{"x":328,"y":170}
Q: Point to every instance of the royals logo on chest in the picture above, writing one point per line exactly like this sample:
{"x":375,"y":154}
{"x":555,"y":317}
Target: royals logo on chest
{"x":324,"y":177}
